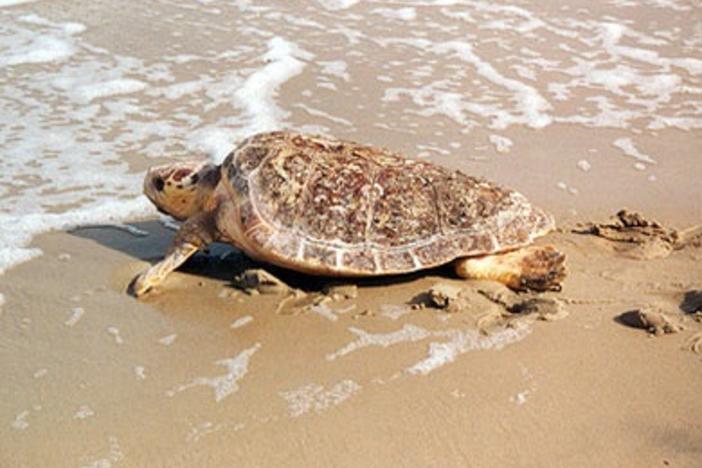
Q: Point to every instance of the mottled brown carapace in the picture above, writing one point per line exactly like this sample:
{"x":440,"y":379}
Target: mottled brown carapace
{"x":331,"y":206}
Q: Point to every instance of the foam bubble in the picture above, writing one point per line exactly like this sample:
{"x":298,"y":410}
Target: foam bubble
{"x":7,"y":3}
{"x":502,"y":144}
{"x":314,"y":397}
{"x":20,"y":423}
{"x":394,"y":311}
{"x":168,"y":339}
{"x":41,"y":49}
{"x":284,"y":59}
{"x":440,"y":353}
{"x":405,"y":14}
{"x":76,"y":315}
{"x":584,"y":165}
{"x":329,"y":313}
{"x":140,"y":372}
{"x":461,"y":342}
{"x":114,"y":331}
{"x":336,"y":68}
{"x":240,"y":322}
{"x":114,"y":455}
{"x":83,"y":412}
{"x":408,"y":333}
{"x":627,"y":145}
{"x":226,"y":384}
{"x":520,"y":398}
{"x":335,"y":5}
{"x":110,"y":88}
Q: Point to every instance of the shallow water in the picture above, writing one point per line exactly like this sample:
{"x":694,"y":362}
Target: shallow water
{"x":580,"y":107}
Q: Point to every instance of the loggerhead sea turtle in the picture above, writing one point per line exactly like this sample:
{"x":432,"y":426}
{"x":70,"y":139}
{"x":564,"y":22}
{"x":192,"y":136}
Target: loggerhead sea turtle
{"x":330,"y":207}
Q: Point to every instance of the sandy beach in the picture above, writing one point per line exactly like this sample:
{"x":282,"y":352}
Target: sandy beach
{"x":586,"y":110}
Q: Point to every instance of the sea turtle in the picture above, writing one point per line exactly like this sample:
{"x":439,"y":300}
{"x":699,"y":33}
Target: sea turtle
{"x":325,"y":206}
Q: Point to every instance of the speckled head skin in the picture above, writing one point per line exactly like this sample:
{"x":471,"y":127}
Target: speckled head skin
{"x":327,"y":206}
{"x":181,"y":189}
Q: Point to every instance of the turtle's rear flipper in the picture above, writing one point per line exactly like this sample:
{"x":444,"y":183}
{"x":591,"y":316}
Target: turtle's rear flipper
{"x":689,"y":237}
{"x":536,"y":268}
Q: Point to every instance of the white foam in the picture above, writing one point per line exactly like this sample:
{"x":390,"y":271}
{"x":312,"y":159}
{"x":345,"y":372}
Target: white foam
{"x":6,"y":3}
{"x":440,"y":353}
{"x":114,"y":455}
{"x":404,"y":14}
{"x":336,"y":68}
{"x":284,"y":59}
{"x":628,"y":147}
{"x":114,"y":331}
{"x":207,"y":427}
{"x":329,"y":313}
{"x":584,"y":165}
{"x":520,"y":398}
{"x":394,"y":311}
{"x":408,"y":333}
{"x":335,"y":5}
{"x":168,"y":339}
{"x":531,"y":105}
{"x":83,"y":412}
{"x":20,"y":423}
{"x":461,"y":342}
{"x":140,"y":372}
{"x":502,"y":144}
{"x":226,"y":384}
{"x":314,"y":397}
{"x":41,"y":49}
{"x":18,"y":230}
{"x":109,"y":88}
{"x":240,"y":322}
{"x":76,"y":315}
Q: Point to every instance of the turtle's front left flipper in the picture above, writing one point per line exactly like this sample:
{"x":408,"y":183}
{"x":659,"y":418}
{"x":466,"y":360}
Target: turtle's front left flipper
{"x":195,"y":234}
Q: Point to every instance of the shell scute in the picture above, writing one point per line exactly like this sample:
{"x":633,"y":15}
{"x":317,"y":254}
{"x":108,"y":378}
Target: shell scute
{"x":280,"y":182}
{"x":405,"y":211}
{"x":337,"y":201}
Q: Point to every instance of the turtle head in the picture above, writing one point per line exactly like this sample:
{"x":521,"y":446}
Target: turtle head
{"x":181,"y":189}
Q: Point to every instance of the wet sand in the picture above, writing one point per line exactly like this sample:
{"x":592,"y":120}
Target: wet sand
{"x":585,"y":109}
{"x":143,"y":382}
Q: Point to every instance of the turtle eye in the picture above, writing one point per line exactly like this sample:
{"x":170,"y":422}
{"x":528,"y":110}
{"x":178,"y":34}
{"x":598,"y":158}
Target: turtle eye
{"x":158,"y":183}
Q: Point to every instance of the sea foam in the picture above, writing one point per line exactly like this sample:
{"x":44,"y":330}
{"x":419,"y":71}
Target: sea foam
{"x":225,"y":384}
{"x":456,"y":343}
{"x":317,"y":398}
{"x":68,"y":129}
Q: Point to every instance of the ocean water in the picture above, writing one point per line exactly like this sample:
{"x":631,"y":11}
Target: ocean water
{"x":93,"y":94}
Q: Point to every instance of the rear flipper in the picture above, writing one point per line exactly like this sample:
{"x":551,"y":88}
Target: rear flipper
{"x":537,"y":268}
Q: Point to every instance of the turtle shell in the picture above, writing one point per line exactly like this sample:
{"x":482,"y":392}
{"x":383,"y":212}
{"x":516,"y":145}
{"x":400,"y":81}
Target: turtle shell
{"x":328,"y":206}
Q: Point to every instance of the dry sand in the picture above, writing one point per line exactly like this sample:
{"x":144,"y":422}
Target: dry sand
{"x":135,"y":383}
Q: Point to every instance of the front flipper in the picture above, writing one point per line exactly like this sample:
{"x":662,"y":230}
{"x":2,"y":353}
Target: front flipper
{"x":194,"y":235}
{"x":537,"y":268}
{"x":158,"y":272}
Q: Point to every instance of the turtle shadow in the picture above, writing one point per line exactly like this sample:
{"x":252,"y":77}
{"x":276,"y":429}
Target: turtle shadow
{"x":148,"y":241}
